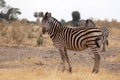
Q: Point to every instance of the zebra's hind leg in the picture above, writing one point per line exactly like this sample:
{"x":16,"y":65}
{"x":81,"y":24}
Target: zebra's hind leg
{"x":96,"y":59}
{"x":103,"y":48}
{"x":97,"y":63}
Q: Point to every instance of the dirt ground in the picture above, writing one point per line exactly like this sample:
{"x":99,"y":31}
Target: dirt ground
{"x":17,"y":58}
{"x":20,"y":56}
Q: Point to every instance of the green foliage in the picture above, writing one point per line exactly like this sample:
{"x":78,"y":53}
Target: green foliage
{"x":2,"y":3}
{"x":8,"y":13}
{"x":38,"y":14}
{"x":62,"y":21}
{"x":75,"y":19}
{"x":11,"y":14}
{"x":75,"y":16}
{"x":75,"y":22}
{"x":40,"y":40}
{"x":41,"y":14}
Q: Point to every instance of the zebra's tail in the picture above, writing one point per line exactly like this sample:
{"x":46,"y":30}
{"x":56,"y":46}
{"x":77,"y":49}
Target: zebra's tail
{"x":97,"y":43}
{"x":107,"y":42}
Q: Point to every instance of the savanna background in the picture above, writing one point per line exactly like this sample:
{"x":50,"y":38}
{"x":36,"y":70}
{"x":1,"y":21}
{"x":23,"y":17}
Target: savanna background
{"x":27,"y":54}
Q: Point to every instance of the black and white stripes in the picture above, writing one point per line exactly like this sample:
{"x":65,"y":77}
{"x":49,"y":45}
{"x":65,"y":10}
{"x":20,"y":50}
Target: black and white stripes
{"x":73,"y":39}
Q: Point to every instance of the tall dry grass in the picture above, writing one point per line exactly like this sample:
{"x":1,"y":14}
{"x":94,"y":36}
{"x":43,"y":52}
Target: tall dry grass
{"x":113,"y":26}
{"x":23,"y":33}
{"x":17,"y":33}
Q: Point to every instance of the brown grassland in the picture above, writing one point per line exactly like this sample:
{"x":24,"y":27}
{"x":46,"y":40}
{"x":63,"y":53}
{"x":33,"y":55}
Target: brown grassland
{"x":22,"y":59}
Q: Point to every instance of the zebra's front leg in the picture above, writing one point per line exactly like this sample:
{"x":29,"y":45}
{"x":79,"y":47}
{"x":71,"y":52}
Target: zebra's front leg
{"x":62,"y":53}
{"x":67,"y":60}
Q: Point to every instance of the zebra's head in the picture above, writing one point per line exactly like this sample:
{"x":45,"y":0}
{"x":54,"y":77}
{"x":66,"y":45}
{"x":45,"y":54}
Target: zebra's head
{"x":46,"y":17}
{"x":45,"y":21}
{"x":89,"y":23}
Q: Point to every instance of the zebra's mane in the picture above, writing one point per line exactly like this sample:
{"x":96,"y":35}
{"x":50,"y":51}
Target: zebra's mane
{"x":55,"y":23}
{"x":54,"y":19}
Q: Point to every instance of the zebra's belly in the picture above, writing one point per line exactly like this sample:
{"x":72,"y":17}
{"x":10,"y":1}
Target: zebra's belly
{"x":77,"y":49}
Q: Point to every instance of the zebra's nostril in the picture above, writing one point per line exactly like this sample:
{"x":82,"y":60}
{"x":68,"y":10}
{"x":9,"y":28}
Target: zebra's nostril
{"x":43,"y":30}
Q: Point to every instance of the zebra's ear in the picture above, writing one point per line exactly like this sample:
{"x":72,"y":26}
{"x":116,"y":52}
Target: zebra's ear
{"x":46,"y":14}
{"x":49,"y":15}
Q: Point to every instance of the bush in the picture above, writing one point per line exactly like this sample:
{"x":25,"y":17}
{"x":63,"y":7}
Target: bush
{"x":40,"y":40}
{"x":75,"y":16}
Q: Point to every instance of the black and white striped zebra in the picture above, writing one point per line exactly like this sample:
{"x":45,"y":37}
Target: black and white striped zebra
{"x":73,"y":39}
{"x":104,"y":29}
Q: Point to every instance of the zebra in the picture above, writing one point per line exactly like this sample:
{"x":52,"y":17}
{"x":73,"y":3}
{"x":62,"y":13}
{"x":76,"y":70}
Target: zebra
{"x":75,"y":39}
{"x":104,"y":29}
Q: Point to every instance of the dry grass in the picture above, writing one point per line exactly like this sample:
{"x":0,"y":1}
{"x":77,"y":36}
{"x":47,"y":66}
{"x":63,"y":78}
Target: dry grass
{"x":114,"y":43}
{"x":26,"y":34}
{"x":114,"y":59}
{"x":47,"y":74}
{"x":29,"y":61}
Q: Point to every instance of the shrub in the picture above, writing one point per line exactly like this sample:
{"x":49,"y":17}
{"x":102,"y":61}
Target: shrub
{"x":76,"y":16}
{"x":40,"y":40}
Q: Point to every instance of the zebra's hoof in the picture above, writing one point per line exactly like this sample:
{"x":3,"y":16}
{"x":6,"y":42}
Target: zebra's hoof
{"x":70,"y":70}
{"x":95,"y":71}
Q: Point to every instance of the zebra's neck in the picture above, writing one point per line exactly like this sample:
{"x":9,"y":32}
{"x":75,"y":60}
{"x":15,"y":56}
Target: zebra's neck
{"x":55,"y":27}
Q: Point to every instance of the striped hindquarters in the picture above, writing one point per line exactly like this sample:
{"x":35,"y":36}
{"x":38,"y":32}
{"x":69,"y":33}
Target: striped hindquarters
{"x":79,"y":39}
